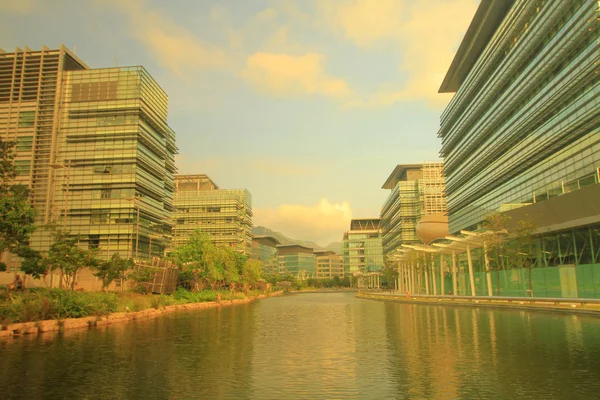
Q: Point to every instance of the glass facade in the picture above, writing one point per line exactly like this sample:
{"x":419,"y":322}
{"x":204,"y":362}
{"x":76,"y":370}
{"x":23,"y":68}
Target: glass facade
{"x":524,"y":123}
{"x":95,"y":148}
{"x":30,"y":96}
{"x":361,"y":246}
{"x":116,"y":162}
{"x":416,"y":190}
{"x":298,"y":261}
{"x":264,"y":249}
{"x":224,"y":214}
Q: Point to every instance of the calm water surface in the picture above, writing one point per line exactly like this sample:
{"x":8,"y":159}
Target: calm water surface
{"x":314,"y":346}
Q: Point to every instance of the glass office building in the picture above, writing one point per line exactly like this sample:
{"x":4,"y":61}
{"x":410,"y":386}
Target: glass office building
{"x":95,"y":148}
{"x":524,"y":126}
{"x":296,"y":260}
{"x":416,"y":190}
{"x":224,"y":214}
{"x":361,"y":246}
{"x":264,"y":249}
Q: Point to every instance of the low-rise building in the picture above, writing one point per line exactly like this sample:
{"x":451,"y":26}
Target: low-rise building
{"x":329,"y":264}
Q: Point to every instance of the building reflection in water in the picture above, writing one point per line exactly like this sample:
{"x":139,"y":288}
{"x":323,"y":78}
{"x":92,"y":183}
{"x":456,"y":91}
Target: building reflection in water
{"x":315,"y":346}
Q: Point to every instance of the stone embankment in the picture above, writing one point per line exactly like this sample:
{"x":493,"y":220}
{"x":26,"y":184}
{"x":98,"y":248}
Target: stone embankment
{"x":572,"y":306}
{"x":37,"y":327}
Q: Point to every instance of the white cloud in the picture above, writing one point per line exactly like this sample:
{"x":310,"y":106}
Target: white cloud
{"x":173,"y":46}
{"x":323,"y":223}
{"x":364,"y":22}
{"x":426,"y":33}
{"x":290,"y":75}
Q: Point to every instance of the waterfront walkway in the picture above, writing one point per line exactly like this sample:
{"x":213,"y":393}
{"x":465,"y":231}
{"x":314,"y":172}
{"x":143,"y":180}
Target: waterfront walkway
{"x":577,"y":305}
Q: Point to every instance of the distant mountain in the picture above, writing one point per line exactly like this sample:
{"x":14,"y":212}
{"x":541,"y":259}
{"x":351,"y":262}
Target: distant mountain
{"x":261,"y":230}
{"x":335,"y":246}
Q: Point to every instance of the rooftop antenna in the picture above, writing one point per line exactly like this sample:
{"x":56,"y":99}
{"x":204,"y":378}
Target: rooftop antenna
{"x":116,"y":62}
{"x":74,"y":49}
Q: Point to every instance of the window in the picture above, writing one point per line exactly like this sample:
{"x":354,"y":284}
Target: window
{"x":99,"y":217}
{"x":94,"y":91}
{"x":110,"y":120}
{"x":24,"y":143}
{"x":22,"y":167}
{"x":26,"y":118}
{"x":103,"y":169}
{"x":105,"y":194}
{"x":94,"y":241}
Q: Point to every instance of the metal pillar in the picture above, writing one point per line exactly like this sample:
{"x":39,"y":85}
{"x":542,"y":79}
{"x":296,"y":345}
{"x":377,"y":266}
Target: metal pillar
{"x":412,"y":277}
{"x":488,"y":272}
{"x":442,"y":268}
{"x":454,"y":278}
{"x":433,"y":276}
{"x":471,"y":276}
{"x":426,"y":273}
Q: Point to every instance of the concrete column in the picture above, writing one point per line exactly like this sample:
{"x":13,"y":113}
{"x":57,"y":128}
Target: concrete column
{"x":471,"y":276}
{"x":433,"y":275}
{"x":488,"y":272}
{"x":442,"y":269}
{"x":454,"y":277}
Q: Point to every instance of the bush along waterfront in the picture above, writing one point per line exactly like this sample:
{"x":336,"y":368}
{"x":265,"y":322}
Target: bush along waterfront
{"x":57,"y":304}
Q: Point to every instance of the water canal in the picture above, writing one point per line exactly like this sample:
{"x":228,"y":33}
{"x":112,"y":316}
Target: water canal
{"x":314,"y":346}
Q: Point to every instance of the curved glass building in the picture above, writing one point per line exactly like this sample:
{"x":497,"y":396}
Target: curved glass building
{"x":522,"y":133}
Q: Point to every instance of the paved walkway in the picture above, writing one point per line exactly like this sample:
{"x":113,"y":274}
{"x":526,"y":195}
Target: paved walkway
{"x":576,"y":306}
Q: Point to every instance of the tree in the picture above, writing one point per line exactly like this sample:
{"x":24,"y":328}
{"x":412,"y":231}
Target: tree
{"x":68,"y":258}
{"x":523,"y":248}
{"x":509,"y":245}
{"x":190,"y":258}
{"x":112,"y":269}
{"x":142,"y":277}
{"x":32,"y":263}
{"x":214,"y":260}
{"x":494,"y":237}
{"x":236,"y":272}
{"x":390,"y":273}
{"x":17,"y":215}
{"x":251,"y":274}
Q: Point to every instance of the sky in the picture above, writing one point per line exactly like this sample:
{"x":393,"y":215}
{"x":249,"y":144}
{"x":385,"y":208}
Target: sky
{"x":308,"y":104}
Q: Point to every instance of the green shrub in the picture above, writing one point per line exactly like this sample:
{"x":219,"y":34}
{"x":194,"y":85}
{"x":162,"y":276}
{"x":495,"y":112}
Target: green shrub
{"x":160,"y":301}
{"x":43,"y":304}
{"x":185,"y":296}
